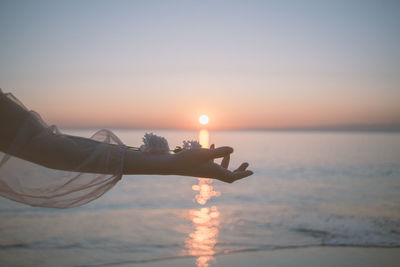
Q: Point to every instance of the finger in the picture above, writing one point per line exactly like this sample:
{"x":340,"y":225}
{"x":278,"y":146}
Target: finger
{"x":234,"y":176}
{"x":240,"y":175}
{"x":216,"y":171}
{"x":225,"y":161}
{"x":242,"y":167}
{"x":219,"y":152}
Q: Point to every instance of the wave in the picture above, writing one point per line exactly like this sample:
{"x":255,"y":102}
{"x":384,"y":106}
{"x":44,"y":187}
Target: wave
{"x":48,"y":245}
{"x":244,"y":250}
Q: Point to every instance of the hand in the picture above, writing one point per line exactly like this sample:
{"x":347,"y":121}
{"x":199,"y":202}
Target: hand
{"x":200,"y":163}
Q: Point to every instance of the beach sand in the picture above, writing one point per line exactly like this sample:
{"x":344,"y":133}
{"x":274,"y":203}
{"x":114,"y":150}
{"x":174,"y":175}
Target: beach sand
{"x":314,"y":256}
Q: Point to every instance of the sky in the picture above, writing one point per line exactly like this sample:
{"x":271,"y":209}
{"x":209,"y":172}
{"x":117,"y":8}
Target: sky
{"x":246,"y":64}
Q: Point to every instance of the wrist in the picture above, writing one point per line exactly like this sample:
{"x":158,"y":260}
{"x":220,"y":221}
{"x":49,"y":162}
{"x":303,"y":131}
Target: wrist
{"x":165,"y":164}
{"x":137,"y":162}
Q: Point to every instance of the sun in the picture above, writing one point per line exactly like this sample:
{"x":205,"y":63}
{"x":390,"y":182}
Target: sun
{"x":203,"y":119}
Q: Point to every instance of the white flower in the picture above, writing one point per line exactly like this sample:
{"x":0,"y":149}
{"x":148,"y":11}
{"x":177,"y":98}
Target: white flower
{"x":192,"y":144}
{"x":154,"y":144}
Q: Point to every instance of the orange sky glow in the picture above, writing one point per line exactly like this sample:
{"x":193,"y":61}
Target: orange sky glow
{"x":256,"y":65}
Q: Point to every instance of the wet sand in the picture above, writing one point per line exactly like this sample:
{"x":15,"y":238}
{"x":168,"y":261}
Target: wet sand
{"x":315,"y":256}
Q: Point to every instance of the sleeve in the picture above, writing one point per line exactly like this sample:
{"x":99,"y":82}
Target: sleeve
{"x":80,"y":169}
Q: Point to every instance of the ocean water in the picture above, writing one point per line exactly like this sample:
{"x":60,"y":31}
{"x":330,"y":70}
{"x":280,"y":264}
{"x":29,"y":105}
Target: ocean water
{"x":309,"y":189}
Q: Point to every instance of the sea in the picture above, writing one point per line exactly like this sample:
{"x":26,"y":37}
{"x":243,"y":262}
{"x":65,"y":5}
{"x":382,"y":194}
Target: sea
{"x":309,"y":189}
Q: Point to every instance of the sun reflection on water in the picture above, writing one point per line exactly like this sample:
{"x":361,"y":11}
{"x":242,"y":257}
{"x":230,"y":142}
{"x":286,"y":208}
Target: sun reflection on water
{"x":202,"y":240}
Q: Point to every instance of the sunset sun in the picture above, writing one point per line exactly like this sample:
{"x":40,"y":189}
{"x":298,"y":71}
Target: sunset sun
{"x":203,"y":119}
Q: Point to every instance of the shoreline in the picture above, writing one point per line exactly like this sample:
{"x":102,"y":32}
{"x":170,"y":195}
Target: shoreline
{"x":329,"y":256}
{"x":307,"y":255}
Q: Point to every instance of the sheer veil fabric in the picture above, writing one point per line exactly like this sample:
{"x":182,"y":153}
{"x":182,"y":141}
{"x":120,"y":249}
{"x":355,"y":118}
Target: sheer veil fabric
{"x":36,"y":185}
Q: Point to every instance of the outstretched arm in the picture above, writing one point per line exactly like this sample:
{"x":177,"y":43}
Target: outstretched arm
{"x":71,"y":153}
{"x":196,"y":162}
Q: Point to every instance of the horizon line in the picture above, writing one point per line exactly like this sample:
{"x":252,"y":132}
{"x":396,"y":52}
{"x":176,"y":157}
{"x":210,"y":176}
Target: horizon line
{"x":326,"y":128}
